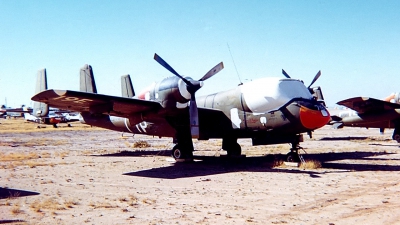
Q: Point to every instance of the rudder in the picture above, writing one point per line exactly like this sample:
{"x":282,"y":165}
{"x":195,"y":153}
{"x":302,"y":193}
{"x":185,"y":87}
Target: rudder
{"x":127,"y":87}
{"x":41,"y":109}
{"x":87,"y":83}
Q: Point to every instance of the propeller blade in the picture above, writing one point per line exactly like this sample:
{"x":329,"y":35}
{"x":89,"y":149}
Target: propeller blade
{"x":285,"y":74}
{"x":213,"y":71}
{"x":315,"y":78}
{"x":169,"y":68}
{"x":194,"y":118}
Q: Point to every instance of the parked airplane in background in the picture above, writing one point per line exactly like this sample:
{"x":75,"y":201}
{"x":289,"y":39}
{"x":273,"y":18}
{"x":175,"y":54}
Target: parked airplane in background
{"x":370,"y":113}
{"x":14,"y":112}
{"x":41,"y":112}
{"x":267,"y":110}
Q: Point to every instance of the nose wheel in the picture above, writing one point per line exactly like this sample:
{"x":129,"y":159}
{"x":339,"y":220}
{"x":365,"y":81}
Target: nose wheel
{"x":293,"y":155}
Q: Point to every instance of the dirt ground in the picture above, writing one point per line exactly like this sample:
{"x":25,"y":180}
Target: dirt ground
{"x":84,"y":175}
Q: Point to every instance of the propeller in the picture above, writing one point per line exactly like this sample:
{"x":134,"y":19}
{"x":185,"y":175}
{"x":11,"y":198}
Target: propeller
{"x":315,"y":79}
{"x":285,"y":74}
{"x":192,"y":86}
{"x":312,"y":82}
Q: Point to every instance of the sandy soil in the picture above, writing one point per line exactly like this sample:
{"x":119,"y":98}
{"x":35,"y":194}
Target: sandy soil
{"x":84,"y":175}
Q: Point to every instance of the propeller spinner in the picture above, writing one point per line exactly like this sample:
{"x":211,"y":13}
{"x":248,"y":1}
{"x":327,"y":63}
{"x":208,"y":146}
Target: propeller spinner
{"x":192,"y":86}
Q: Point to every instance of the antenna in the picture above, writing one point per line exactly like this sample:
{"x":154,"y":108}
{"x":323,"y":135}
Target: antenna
{"x":234,"y":64}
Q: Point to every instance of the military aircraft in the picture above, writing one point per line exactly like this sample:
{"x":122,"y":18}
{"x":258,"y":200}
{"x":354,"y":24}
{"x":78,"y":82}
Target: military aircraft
{"x":42,"y":113}
{"x":13,"y":112}
{"x":370,"y":113}
{"x":268,"y":110}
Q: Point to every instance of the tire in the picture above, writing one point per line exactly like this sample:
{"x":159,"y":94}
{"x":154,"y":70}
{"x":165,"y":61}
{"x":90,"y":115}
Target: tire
{"x":181,"y":156}
{"x":235,"y":150}
{"x":176,"y":153}
{"x":396,"y":137}
{"x":292,"y":157}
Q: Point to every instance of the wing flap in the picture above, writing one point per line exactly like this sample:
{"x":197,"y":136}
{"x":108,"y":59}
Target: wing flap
{"x":365,"y":104}
{"x":95,"y":103}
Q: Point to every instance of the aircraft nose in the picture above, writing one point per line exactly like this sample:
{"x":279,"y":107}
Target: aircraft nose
{"x":314,"y":119}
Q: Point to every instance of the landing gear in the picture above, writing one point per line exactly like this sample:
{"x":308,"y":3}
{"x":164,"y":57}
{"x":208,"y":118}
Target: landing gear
{"x":396,"y":135}
{"x":293,"y":155}
{"x":183,"y":150}
{"x":182,"y":154}
{"x":232,"y":147}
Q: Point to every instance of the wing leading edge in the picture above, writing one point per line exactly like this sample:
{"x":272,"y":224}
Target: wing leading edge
{"x":366,"y":105}
{"x":95,"y":103}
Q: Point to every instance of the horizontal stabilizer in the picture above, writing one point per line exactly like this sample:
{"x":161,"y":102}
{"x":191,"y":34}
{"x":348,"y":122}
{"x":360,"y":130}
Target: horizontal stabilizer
{"x":87,"y":83}
{"x":127,"y":87}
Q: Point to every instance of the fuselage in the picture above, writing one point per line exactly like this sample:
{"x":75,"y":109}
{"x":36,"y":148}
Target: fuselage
{"x":274,"y":105}
{"x":382,"y":119}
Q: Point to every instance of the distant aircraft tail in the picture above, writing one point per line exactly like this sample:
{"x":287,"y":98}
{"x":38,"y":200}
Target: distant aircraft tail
{"x":126,"y":87}
{"x":87,"y":83}
{"x":41,"y":109}
{"x":393,"y":98}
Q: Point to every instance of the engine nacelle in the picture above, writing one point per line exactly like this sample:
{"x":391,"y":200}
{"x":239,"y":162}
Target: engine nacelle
{"x":171,"y":92}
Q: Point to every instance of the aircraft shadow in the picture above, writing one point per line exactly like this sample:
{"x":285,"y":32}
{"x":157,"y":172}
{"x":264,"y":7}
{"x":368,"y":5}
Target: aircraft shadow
{"x":328,"y":161}
{"x":14,"y":193}
{"x":12,"y":221}
{"x":138,"y":153}
{"x":208,"y":165}
{"x":343,"y":138}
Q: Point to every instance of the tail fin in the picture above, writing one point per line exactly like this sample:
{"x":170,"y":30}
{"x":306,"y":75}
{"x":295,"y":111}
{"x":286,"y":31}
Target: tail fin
{"x":87,"y":82}
{"x":126,"y":87}
{"x":393,"y":98}
{"x":41,"y":109}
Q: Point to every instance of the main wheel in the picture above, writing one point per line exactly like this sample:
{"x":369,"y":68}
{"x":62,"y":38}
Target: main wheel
{"x":396,"y":137}
{"x":234,"y":150}
{"x":180,"y":155}
{"x":176,"y":153}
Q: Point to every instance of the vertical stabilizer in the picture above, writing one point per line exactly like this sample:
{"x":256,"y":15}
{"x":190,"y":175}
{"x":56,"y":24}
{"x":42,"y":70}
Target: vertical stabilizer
{"x":87,"y":82}
{"x":126,"y":87}
{"x":40,"y":109}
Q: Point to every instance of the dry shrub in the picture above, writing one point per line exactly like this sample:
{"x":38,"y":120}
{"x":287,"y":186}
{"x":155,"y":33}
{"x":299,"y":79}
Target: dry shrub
{"x":71,"y":203}
{"x":33,"y":164}
{"x":311,"y":164}
{"x":277,"y":163}
{"x":16,"y":210}
{"x":141,"y":144}
{"x":47,"y":204}
{"x":149,"y":201}
{"x":105,"y":205}
{"x":16,"y":156}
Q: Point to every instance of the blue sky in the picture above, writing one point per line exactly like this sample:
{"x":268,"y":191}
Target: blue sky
{"x":354,"y":43}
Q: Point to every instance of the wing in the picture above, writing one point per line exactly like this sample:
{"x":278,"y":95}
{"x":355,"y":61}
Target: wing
{"x":95,"y":103}
{"x":365,"y":104}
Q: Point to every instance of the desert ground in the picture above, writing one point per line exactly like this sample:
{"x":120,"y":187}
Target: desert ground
{"x":85,"y":175}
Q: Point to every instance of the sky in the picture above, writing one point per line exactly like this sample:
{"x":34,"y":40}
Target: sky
{"x":355,"y":44}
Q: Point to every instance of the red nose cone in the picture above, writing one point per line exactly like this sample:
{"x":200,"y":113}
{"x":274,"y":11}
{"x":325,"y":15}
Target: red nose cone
{"x":313,"y":119}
